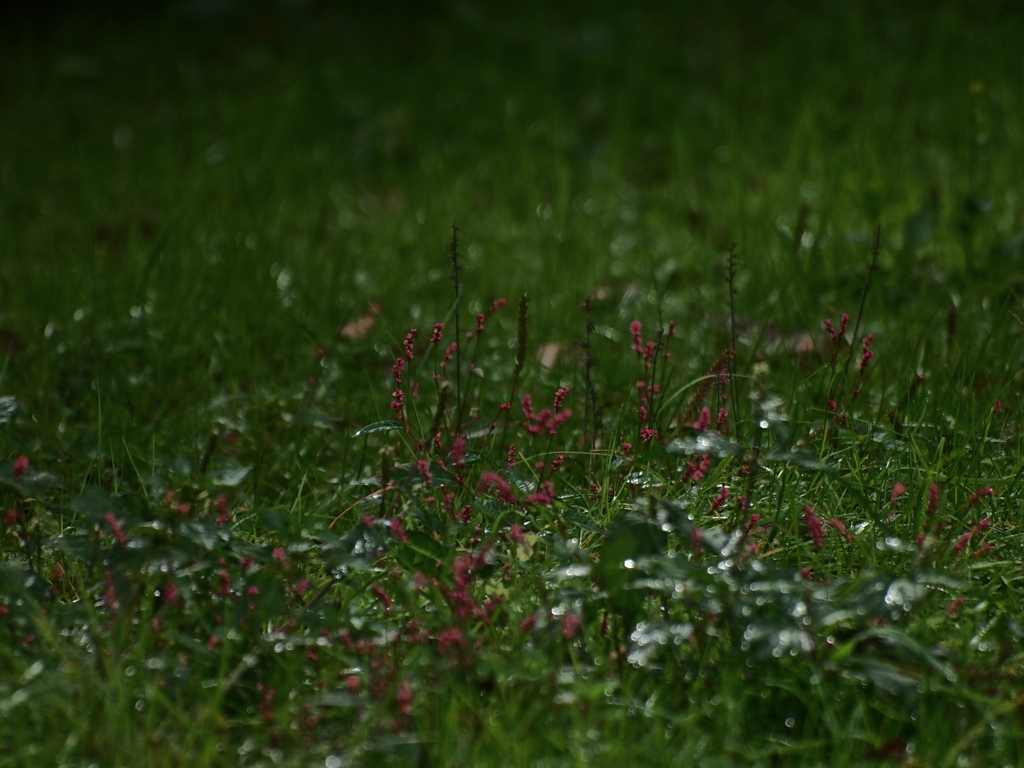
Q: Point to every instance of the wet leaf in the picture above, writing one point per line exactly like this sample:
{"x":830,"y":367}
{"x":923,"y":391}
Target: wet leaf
{"x":379,"y":426}
{"x":630,"y":537}
{"x":230,"y":477}
{"x":78,"y":548}
{"x":672,"y":515}
{"x":18,"y":580}
{"x":8,"y":409}
{"x":579,"y":517}
{"x":711,"y":443}
{"x":649,"y":637}
{"x":798,"y":457}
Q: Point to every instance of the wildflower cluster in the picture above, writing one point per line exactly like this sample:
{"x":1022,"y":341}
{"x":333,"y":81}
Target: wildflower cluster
{"x":548,"y":420}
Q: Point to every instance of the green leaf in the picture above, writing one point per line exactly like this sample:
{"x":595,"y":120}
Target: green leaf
{"x":92,"y":505}
{"x":800,"y":458}
{"x":273,"y":519}
{"x":649,"y":637}
{"x":379,"y":426}
{"x":80,"y":549}
{"x":919,"y":227}
{"x":314,"y":418}
{"x":630,"y":537}
{"x":700,"y":443}
{"x":8,"y":409}
{"x":230,"y":477}
{"x":420,"y":553}
{"x":18,"y":580}
{"x":672,"y":515}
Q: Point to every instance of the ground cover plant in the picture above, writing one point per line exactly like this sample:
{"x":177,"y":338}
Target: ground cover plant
{"x":695,"y":439}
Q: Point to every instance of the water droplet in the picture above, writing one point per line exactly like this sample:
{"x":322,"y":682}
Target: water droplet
{"x":790,"y":722}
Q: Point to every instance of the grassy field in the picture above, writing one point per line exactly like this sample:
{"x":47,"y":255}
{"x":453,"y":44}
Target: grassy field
{"x":565,"y":384}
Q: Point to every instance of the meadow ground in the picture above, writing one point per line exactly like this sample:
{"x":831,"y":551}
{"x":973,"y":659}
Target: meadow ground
{"x":695,"y":441}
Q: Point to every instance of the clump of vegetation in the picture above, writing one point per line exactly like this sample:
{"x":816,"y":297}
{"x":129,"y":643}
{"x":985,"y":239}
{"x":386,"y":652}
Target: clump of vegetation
{"x":721,"y":479}
{"x":508,"y":569}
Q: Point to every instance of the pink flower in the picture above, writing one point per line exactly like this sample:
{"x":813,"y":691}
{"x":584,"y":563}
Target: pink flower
{"x":223,"y":513}
{"x":398,"y":403}
{"x":897,"y":491}
{"x":702,"y":424}
{"x":814,"y":527}
{"x":546,"y":420}
{"x":225,"y":582}
{"x":719,"y":500}
{"x":20,"y":467}
{"x":458,"y":454}
{"x":279,"y":557}
{"x":962,"y":542}
{"x":867,"y":352}
{"x":438,"y":330}
{"x":397,"y":369}
{"x":836,"y":523}
{"x":560,"y":397}
{"x":980,"y":493}
{"x":110,"y":593}
{"x":448,"y":353}
{"x":398,"y":530}
{"x":544,"y":496}
{"x":570,"y":625}
{"x":450,"y":638}
{"x":634,"y":330}
{"x":115,"y":527}
{"x":408,"y":343}
{"x":170,"y":593}
{"x":833,"y":334}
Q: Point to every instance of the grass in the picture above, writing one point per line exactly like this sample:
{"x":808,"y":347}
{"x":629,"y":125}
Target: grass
{"x":229,"y":540}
